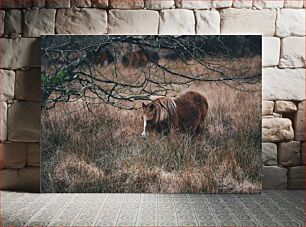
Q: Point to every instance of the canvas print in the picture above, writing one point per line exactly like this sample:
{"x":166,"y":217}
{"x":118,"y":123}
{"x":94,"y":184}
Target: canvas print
{"x":151,"y":114}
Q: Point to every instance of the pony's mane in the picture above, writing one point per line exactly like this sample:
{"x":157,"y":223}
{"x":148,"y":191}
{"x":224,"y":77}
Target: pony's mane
{"x":166,"y":109}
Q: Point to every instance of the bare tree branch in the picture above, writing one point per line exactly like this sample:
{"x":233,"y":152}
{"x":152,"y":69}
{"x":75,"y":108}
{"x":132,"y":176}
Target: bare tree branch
{"x":119,"y":70}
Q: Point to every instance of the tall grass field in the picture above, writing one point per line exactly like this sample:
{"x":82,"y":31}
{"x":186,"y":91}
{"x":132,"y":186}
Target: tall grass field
{"x":102,"y":150}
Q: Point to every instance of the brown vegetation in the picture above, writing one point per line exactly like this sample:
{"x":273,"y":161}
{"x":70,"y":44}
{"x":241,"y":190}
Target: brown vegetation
{"x":104,"y":152}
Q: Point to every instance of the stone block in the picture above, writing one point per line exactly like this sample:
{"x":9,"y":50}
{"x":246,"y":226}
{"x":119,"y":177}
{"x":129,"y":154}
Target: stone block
{"x":26,"y":179}
{"x":133,"y":22}
{"x":13,"y":21}
{"x":80,"y":3}
{"x":13,"y":155}
{"x":27,"y":85}
{"x":299,"y":122}
{"x":99,"y":3}
{"x":303,"y":151}
{"x":277,"y":129}
{"x":39,"y":3}
{"x":39,"y":22}
{"x":13,"y":36}
{"x":192,"y":4}
{"x":293,"y":3}
{"x":248,"y":21}
{"x":159,"y":4}
{"x":177,"y":22}
{"x":208,"y":22}
{"x":290,"y":22}
{"x":296,"y":178}
{"x":289,"y":153}
{"x":3,"y":121}
{"x":81,"y":21}
{"x":285,"y":107}
{"x":126,"y":4}
{"x":222,"y":3}
{"x":33,"y":158}
{"x":274,"y":177}
{"x":55,"y":4}
{"x":24,"y":122}
{"x":270,"y":51}
{"x":269,"y":154}
{"x":15,"y":4}
{"x":267,"y":108}
{"x":283,"y":84}
{"x":242,"y":4}
{"x":292,"y":52}
{"x":7,"y":84}
{"x":2,"y":15}
{"x":20,"y":53}
{"x":262,"y":4}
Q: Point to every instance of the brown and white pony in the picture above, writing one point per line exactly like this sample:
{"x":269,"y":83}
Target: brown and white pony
{"x":186,"y":113}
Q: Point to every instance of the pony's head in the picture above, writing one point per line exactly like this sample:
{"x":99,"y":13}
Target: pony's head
{"x":149,"y":111}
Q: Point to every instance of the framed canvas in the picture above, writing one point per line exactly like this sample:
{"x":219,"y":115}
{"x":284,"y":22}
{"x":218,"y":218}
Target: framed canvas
{"x":151,"y":114}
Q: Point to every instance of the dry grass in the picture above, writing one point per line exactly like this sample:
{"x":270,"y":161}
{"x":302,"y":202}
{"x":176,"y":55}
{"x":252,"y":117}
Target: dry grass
{"x":105,"y":153}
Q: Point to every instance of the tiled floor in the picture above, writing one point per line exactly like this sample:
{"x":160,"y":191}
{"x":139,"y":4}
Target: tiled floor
{"x":270,"y":208}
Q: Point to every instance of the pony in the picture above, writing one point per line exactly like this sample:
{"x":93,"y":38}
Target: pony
{"x":139,"y":58}
{"x":186,"y":113}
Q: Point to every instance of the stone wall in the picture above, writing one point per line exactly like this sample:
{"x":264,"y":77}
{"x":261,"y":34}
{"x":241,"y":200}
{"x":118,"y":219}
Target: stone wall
{"x":281,"y":22}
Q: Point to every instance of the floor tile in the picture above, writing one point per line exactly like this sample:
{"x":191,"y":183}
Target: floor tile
{"x":270,"y":208}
